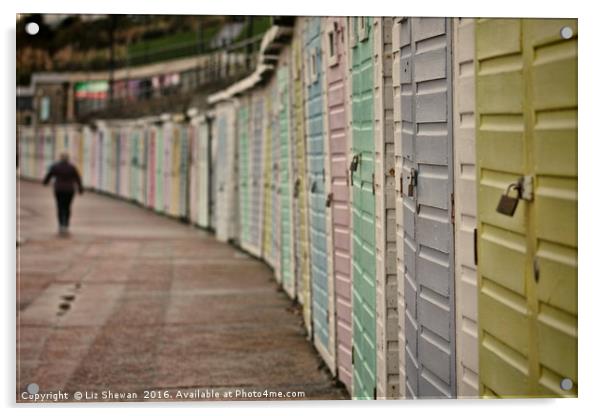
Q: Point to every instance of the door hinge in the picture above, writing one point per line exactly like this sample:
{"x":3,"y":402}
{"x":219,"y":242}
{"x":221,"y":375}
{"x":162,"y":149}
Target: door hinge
{"x":526,"y":188}
{"x":352,"y":355}
{"x":535,"y":269}
{"x":373,"y":185}
{"x":475,"y":236}
{"x":374,"y":393}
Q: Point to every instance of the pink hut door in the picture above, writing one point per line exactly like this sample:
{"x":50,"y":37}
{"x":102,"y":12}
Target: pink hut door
{"x":338,"y":200}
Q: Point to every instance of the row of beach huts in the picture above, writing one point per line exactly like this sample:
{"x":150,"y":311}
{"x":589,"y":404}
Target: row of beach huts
{"x":411,"y":181}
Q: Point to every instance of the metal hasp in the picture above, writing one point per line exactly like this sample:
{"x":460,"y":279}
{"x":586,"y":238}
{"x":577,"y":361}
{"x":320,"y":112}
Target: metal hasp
{"x":413,"y":182}
{"x":329,"y":200}
{"x":353,"y":166}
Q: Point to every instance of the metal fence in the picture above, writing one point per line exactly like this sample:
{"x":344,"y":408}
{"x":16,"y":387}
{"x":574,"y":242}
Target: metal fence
{"x":161,"y":92}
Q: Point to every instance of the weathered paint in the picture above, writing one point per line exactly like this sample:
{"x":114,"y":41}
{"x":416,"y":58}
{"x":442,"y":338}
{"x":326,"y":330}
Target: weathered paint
{"x":426,"y":147}
{"x":527,"y":263}
{"x":465,"y":207}
{"x":300,"y":200}
{"x":363,"y":209}
{"x":387,"y":365}
{"x":287,"y":261}
{"x":321,"y":309}
{"x":335,"y":62}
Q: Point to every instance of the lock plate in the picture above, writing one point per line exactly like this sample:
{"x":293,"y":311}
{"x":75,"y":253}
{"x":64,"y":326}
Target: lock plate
{"x":412,"y":182}
{"x":507,"y":205}
{"x":353,"y":167}
{"x":354,"y":163}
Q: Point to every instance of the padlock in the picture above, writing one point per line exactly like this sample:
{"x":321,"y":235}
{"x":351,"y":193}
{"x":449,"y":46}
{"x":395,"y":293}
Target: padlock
{"x":329,"y":200}
{"x":507,"y":205}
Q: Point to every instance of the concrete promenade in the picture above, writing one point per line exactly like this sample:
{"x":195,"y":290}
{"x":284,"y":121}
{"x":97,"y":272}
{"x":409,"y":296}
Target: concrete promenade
{"x":134,"y":302}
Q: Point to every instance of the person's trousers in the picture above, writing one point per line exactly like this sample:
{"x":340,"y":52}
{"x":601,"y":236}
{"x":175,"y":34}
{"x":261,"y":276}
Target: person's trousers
{"x":63,"y":206}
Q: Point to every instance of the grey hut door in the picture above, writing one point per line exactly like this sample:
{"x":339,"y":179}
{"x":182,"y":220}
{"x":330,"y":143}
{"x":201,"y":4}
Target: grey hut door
{"x":427,"y":187}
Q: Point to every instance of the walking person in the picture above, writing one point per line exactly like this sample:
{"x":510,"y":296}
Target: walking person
{"x":66,"y":182}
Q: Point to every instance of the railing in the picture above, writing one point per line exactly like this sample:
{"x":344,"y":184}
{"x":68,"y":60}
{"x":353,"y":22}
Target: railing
{"x":182,"y":49}
{"x":213,"y":71}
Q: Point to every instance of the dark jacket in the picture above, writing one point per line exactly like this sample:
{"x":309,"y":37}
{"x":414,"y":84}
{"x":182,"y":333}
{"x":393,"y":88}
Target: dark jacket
{"x":65,"y":176}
